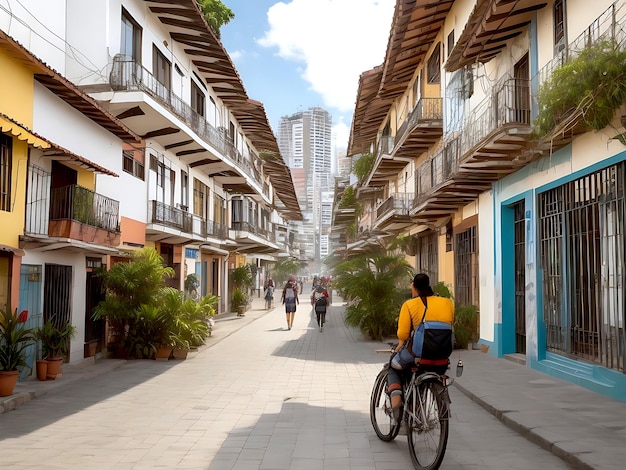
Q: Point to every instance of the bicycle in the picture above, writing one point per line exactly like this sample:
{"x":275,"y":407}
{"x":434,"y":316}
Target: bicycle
{"x":425,"y":413}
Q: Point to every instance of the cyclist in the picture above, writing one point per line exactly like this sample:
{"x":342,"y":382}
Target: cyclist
{"x":423,"y":306}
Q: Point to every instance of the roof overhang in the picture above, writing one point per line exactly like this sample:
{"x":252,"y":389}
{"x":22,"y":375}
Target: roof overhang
{"x":67,"y":91}
{"x":414,"y":28}
{"x":491,"y":25}
{"x":186,"y":25}
{"x":49,"y":149}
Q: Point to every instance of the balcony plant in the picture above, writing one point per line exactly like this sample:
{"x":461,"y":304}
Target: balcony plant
{"x":55,"y":340}
{"x":14,"y":339}
{"x":593,"y":83}
{"x":363,"y":166}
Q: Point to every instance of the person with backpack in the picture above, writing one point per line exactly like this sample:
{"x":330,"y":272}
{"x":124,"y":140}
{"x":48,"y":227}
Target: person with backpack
{"x":425,"y":324}
{"x":289,"y":299}
{"x":319,"y":300}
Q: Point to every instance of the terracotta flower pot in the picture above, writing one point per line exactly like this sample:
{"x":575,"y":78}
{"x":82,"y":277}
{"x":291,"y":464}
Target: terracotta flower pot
{"x":180,"y":353}
{"x":163,"y":353}
{"x":8,"y":380}
{"x":54,"y":367}
{"x":42,"y":369}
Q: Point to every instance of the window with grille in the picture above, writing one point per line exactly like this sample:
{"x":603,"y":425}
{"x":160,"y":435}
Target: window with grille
{"x":200,"y":198}
{"x":132,"y":165}
{"x":434,"y":65}
{"x":130,"y":44}
{"x":6,"y":157}
{"x":559,"y":25}
{"x":184,"y":190}
{"x":450,"y":43}
{"x":197,"y":98}
{"x":219,"y":209}
{"x":161,"y":68}
{"x":582,"y":243}
{"x":466,"y":268}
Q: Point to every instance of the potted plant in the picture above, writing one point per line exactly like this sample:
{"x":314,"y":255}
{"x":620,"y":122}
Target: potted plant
{"x":14,"y":339}
{"x":55,"y":343}
{"x":239,"y":301}
{"x":134,"y":293}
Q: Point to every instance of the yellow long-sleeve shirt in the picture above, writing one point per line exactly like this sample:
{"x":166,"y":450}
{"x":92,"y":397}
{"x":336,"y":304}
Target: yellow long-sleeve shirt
{"x":439,"y":309}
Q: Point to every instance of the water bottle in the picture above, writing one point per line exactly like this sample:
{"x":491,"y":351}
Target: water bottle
{"x":459,"y":368}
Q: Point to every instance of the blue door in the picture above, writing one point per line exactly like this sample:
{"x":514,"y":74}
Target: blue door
{"x":30,"y":299}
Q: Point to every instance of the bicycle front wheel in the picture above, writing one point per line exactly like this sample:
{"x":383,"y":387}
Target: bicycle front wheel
{"x":428,"y":425}
{"x":380,"y":410}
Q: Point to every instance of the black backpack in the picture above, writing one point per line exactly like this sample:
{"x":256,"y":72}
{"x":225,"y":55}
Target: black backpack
{"x":321,"y":303}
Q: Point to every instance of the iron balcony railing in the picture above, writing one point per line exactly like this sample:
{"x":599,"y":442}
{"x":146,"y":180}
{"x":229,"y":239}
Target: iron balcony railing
{"x":128,"y":75}
{"x":385,"y":146}
{"x":170,"y":216}
{"x":398,"y":203}
{"x":186,"y":222}
{"x":426,"y":109}
{"x":508,"y":104}
{"x":610,"y":25}
{"x":85,"y":206}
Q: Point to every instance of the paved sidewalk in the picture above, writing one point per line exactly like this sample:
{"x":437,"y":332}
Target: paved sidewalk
{"x":585,"y":429}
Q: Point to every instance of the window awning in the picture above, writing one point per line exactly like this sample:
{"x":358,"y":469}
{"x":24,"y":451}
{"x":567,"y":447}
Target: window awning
{"x":20,"y":132}
{"x":10,"y":249}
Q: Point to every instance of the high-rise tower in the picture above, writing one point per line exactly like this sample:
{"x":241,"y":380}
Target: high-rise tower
{"x":305,"y":141}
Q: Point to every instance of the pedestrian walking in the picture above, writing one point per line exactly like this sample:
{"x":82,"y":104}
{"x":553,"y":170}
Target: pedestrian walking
{"x":289,"y":299}
{"x":319,"y":300}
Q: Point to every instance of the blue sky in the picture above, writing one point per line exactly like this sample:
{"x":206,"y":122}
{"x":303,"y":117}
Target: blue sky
{"x":296,"y":54}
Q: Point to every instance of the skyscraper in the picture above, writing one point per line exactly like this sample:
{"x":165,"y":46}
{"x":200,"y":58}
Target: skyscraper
{"x":305,"y":141}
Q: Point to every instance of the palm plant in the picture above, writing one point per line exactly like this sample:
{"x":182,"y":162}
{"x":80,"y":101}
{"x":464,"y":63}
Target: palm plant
{"x":284,"y":269}
{"x":55,"y":338}
{"x":133,"y":288}
{"x":242,"y":277}
{"x":375,"y":285}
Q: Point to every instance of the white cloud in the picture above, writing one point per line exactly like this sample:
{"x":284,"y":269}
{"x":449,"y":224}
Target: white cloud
{"x":236,"y":55}
{"x":342,"y":134}
{"x":336,"y":40}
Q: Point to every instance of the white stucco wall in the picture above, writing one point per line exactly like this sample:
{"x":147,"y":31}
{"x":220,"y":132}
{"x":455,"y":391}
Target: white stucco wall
{"x":56,"y":120}
{"x":486,"y":245}
{"x":39,"y":26}
{"x":77,"y":262}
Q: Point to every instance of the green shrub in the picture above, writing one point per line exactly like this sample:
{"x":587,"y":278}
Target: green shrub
{"x":374,"y":286}
{"x":238,"y":299}
{"x":465,"y":319}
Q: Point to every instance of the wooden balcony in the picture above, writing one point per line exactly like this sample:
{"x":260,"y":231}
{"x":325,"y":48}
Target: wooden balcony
{"x":421,"y":130}
{"x":174,"y":225}
{"x":131,"y":76}
{"x":80,"y":214}
{"x":493,"y":143}
{"x":394,"y":213}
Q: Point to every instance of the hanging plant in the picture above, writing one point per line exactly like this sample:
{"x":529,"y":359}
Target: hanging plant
{"x":363,"y":166}
{"x":593,"y":83}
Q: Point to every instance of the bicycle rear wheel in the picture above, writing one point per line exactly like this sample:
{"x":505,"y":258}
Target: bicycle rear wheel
{"x":428,"y":425}
{"x":380,"y":410}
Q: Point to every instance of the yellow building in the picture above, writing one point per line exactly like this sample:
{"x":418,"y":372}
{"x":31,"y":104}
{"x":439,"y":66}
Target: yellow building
{"x":16,"y":115}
